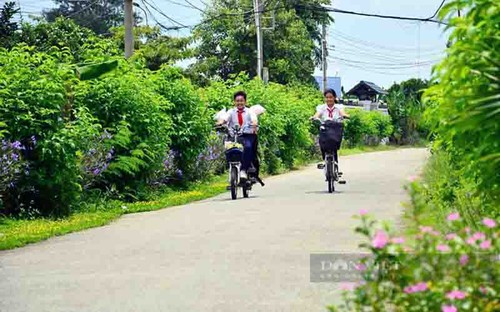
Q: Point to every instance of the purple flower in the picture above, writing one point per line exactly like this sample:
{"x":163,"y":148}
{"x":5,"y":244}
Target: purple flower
{"x":179,"y":173}
{"x":14,"y":156}
{"x":96,"y":171}
{"x":16,"y":145}
{"x":33,"y":140}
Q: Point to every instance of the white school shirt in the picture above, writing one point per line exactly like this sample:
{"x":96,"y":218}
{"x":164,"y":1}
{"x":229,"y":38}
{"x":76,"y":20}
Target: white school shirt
{"x":248,"y":119}
{"x":324,"y":112}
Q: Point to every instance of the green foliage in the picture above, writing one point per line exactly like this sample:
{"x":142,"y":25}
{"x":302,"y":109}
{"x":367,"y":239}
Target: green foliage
{"x":446,"y":187}
{"x":366,"y":127}
{"x":227,"y":43}
{"x":8,"y":27}
{"x":192,"y":121}
{"x":406,"y":109}
{"x":92,"y":71}
{"x":154,"y":47}
{"x":464,"y":106}
{"x":99,"y":16}
{"x":32,"y":103}
{"x":126,"y":104}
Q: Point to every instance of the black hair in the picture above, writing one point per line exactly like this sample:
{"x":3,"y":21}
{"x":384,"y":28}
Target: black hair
{"x":331,"y":91}
{"x":240,"y":93}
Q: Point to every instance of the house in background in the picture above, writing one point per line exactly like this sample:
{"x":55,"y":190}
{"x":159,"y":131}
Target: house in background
{"x":368,"y":94}
{"x":332,"y":83}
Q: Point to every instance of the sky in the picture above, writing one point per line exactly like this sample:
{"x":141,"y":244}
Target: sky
{"x":362,"y":48}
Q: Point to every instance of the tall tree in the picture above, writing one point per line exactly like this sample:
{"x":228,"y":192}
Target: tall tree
{"x":98,"y":15}
{"x":8,"y":27}
{"x":226,"y":39}
{"x":156,"y":48}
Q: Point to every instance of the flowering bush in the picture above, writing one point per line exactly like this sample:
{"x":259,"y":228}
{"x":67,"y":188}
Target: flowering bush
{"x":450,"y":271}
{"x":96,"y":159}
{"x":11,"y":163}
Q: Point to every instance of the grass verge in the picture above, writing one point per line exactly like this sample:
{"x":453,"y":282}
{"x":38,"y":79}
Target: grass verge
{"x":18,"y":233}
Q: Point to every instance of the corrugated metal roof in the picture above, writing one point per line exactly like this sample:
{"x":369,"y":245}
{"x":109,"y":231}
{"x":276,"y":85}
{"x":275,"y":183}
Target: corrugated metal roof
{"x":370,"y":85}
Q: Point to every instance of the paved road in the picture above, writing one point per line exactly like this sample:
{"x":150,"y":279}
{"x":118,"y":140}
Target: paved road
{"x":214,"y":255}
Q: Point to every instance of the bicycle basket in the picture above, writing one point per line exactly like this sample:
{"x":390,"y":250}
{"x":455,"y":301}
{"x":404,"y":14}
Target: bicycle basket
{"x":330,"y":136}
{"x":234,"y":154}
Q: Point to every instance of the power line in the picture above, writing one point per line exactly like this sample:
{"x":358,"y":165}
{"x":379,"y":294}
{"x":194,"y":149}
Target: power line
{"x":438,"y":9}
{"x":385,"y":72}
{"x":83,"y":9}
{"x":371,"y":44}
{"x":409,"y":64}
{"x":394,"y":17}
{"x":163,"y":14}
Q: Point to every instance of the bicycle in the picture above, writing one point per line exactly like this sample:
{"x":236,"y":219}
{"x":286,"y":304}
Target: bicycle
{"x":234,"y":156}
{"x":330,"y":139}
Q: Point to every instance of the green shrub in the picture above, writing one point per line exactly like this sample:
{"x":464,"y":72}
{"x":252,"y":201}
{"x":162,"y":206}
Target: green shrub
{"x":192,"y":120}
{"x":34,"y":103}
{"x":366,"y":127}
{"x":126,"y":104}
{"x":464,"y":101}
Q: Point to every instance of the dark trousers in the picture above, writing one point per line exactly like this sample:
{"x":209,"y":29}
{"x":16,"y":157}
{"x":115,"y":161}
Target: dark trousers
{"x":249,"y":150}
{"x":335,"y":155}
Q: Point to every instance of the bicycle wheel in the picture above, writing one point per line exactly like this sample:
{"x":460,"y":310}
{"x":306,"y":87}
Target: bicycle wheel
{"x":234,"y":183}
{"x":245,"y":191}
{"x":330,"y":176}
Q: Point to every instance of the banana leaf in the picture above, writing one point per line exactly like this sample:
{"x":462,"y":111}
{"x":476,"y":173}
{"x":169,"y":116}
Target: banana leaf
{"x":93,"y":71}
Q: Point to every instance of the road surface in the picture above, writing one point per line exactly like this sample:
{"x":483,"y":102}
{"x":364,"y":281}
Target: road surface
{"x":214,"y":255}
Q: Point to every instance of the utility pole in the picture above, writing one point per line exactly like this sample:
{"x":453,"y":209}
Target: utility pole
{"x":324,"y":55}
{"x":260,"y":53}
{"x":129,"y":35}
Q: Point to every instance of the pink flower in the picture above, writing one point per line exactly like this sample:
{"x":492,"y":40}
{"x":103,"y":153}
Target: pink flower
{"x":467,"y":229}
{"x":363,"y":212}
{"x":453,"y":216}
{"x":412,"y":178}
{"x":398,"y":240}
{"x":360,"y":267}
{"x":448,"y":308}
{"x":443,"y":248}
{"x":348,"y":286}
{"x":485,"y":245}
{"x":451,"y":236}
{"x":489,"y":222}
{"x":415,"y":288}
{"x":456,"y":294}
{"x":464,"y":259}
{"x":479,"y":236}
{"x":483,"y":290}
{"x":380,"y":239}
{"x":426,"y":229}
{"x":471,"y":241}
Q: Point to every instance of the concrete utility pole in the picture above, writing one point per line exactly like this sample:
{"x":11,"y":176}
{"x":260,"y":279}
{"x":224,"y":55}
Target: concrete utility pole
{"x":129,"y":25}
{"x":324,"y":61}
{"x":260,"y":53}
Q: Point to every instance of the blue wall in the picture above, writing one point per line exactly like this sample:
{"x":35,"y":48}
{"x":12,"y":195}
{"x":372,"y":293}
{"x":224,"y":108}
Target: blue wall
{"x":332,"y":82}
